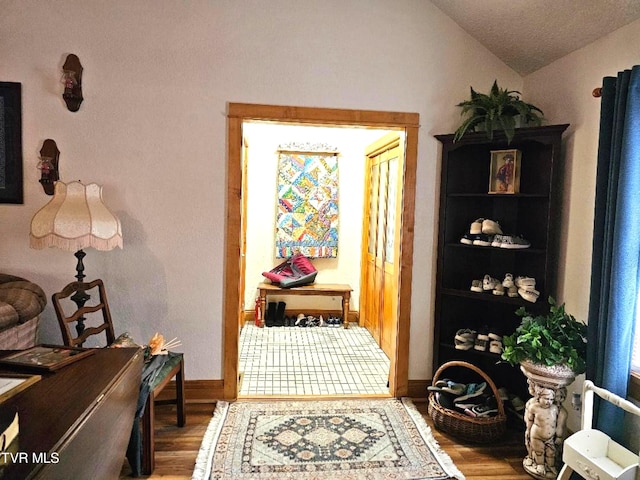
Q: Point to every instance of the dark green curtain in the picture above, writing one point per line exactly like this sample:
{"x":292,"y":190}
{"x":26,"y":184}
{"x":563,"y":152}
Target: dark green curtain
{"x":616,"y":245}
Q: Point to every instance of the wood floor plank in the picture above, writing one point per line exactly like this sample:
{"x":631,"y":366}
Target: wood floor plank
{"x":177,"y":448}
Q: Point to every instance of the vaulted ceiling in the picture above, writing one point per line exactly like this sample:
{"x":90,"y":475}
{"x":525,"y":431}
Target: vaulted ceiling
{"x":529,"y":34}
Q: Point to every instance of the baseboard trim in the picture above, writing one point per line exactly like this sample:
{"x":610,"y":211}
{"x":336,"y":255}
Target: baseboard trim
{"x":418,"y":388}
{"x":195,"y":391}
{"x":209,"y":391}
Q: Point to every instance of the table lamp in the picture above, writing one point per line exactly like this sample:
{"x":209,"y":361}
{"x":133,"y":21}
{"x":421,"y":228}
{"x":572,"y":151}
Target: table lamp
{"x":74,"y":219}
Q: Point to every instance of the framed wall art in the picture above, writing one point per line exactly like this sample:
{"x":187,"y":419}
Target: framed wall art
{"x":504,"y":174}
{"x":11,"y":190}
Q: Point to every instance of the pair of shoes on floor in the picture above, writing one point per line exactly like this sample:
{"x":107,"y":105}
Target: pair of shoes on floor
{"x":274,"y":316}
{"x":513,"y":404}
{"x":448,"y":386}
{"x":333,"y":321}
{"x":527,"y":288}
{"x":472,"y":390}
{"x":484,"y":405}
{"x":460,"y":396}
{"x":309,"y":321}
{"x":460,"y":391}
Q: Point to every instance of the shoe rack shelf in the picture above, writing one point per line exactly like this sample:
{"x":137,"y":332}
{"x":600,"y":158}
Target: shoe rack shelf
{"x":534,"y":212}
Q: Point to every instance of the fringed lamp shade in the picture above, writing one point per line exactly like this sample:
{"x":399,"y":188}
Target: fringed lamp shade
{"x":76,"y":218}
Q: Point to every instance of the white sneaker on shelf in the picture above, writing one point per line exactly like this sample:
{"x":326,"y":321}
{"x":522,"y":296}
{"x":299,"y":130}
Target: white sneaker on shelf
{"x":495,"y":342}
{"x":508,"y":281}
{"x":476,"y":286}
{"x":497,"y":241}
{"x":465,"y":339}
{"x":482,"y":342}
{"x":526,"y":283}
{"x":489,"y":283}
{"x":498,"y":290}
{"x":491,"y":227}
{"x":495,"y":346}
{"x":529,"y":295}
{"x":483,"y":240}
{"x":514,"y":242}
{"x":467,"y":239}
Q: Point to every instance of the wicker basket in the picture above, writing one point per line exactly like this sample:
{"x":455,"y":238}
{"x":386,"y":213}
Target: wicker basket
{"x":464,"y":427}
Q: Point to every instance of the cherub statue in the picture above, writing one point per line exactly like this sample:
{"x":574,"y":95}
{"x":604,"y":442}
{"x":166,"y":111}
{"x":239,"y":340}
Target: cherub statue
{"x":545,"y":418}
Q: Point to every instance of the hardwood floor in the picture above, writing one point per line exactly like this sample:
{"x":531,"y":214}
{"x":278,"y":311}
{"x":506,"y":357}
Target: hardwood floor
{"x":176,"y":448}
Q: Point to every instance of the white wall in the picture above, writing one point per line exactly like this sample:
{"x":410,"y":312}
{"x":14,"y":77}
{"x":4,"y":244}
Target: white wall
{"x":563,"y":91}
{"x":262,"y":166}
{"x":157,"y":78}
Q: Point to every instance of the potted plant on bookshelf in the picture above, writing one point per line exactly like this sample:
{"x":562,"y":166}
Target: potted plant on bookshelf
{"x":500,"y":109}
{"x":551,"y":350}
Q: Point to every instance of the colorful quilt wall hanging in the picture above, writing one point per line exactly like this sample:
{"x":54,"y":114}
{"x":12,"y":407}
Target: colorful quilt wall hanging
{"x":307,"y":217}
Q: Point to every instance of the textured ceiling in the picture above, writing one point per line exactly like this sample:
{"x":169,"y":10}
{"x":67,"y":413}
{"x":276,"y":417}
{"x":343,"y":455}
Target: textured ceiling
{"x":529,"y":34}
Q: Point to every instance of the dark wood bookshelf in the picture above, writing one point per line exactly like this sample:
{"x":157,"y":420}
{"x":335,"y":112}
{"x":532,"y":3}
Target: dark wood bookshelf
{"x":534,"y":212}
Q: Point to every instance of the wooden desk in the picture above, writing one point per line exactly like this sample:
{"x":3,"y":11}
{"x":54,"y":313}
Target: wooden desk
{"x":82,"y":414}
{"x":327,"y":290}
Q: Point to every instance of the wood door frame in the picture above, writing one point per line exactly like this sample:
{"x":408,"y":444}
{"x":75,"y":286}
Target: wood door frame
{"x":237,"y":113}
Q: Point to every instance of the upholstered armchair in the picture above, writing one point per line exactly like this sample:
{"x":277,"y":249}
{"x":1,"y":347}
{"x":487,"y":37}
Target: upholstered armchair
{"x":21,"y":303}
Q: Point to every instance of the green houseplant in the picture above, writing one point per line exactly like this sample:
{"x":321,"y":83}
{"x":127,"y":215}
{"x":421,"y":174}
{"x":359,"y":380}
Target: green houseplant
{"x":555,"y":338}
{"x":497,"y":110}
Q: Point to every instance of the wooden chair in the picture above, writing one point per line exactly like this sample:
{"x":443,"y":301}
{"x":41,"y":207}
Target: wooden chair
{"x":83,"y":316}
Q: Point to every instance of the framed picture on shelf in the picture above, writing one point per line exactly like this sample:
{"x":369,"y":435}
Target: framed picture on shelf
{"x":11,"y":190}
{"x":504,"y":174}
{"x":45,"y":358}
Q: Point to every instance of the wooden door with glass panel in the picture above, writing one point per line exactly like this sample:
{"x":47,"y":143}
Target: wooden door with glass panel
{"x":379,"y":285}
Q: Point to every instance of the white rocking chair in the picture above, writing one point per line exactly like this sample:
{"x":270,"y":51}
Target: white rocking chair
{"x":591,"y":453}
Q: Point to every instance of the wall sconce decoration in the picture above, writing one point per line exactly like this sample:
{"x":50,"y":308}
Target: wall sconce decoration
{"x":48,"y":165}
{"x":72,"y":79}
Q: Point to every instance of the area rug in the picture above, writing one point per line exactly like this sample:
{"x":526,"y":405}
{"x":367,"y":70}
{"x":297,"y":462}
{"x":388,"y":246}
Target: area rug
{"x":377,"y":439}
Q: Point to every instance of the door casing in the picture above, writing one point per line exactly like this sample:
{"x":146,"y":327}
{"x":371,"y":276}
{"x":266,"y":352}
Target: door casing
{"x":237,"y":113}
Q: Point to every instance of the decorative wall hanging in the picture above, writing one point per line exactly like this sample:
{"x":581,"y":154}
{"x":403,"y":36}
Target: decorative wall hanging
{"x":11,"y":190}
{"x":307,"y":219}
{"x":48,"y":165}
{"x":72,"y":79}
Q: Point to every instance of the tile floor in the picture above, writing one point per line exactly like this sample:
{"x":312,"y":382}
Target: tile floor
{"x":311,"y":361}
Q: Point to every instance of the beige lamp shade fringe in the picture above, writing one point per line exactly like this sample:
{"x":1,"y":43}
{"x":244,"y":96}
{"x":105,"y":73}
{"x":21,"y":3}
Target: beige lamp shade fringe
{"x":74,"y":219}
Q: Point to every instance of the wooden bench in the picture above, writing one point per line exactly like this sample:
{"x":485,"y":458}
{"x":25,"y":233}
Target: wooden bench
{"x":326,"y":290}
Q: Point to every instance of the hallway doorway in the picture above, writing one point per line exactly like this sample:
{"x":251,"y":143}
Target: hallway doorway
{"x":240,"y":113}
